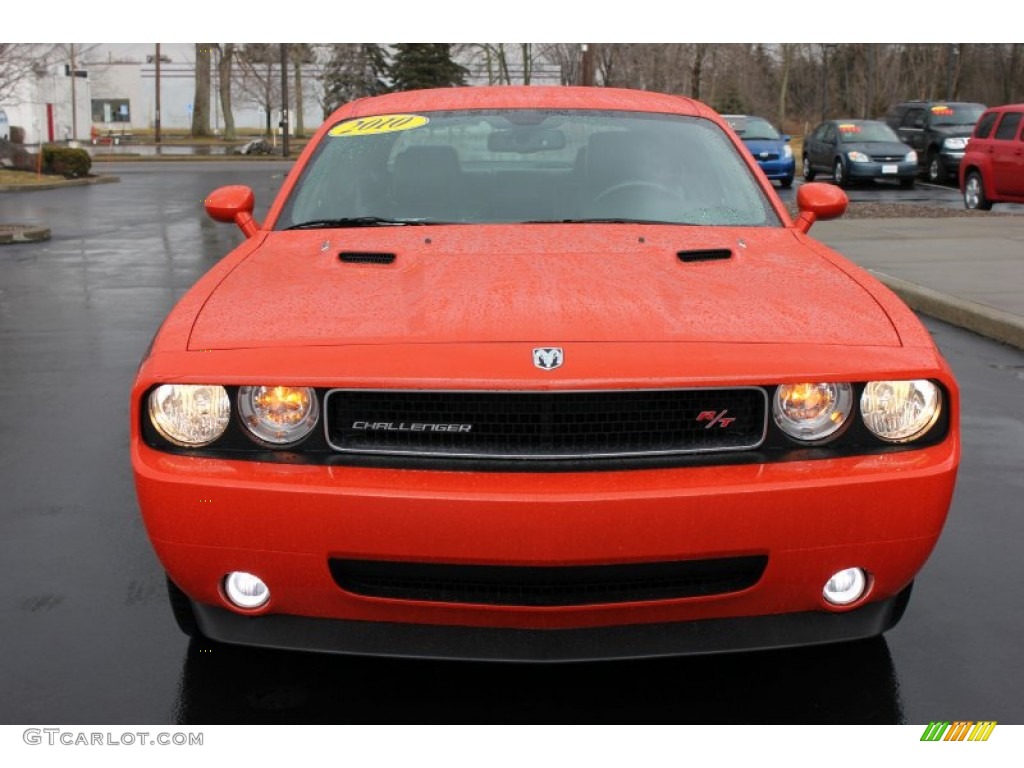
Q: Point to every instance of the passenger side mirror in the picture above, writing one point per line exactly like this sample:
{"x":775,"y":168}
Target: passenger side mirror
{"x":233,"y":204}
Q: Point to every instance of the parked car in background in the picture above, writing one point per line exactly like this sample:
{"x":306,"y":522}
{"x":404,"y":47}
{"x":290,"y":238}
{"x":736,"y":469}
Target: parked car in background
{"x":938,"y":131}
{"x":770,"y":148}
{"x":5,"y":127}
{"x":992,"y":170}
{"x":858,"y":150}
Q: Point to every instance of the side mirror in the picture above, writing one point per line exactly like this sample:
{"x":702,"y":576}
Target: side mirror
{"x":233,"y":204}
{"x":819,"y":201}
{"x":786,"y":137}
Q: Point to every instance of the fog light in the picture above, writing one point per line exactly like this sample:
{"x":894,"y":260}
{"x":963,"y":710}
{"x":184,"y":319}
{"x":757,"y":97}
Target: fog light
{"x":245,"y":590}
{"x":846,"y":586}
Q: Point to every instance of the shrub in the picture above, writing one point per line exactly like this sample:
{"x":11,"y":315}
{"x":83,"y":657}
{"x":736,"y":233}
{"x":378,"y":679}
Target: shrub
{"x":67,"y":162}
{"x":17,"y":134}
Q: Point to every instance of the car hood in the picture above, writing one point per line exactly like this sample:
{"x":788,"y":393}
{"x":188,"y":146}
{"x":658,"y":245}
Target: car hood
{"x":764,"y":145}
{"x":548,"y":283}
{"x":954,"y":131}
{"x":876,"y":147}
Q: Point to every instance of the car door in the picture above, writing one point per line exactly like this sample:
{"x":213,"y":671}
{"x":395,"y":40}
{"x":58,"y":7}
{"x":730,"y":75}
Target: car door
{"x":1007,"y":160}
{"x":811,"y":144}
{"x":824,"y":149}
{"x":911,"y":130}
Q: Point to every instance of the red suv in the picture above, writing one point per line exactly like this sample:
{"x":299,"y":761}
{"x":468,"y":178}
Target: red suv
{"x":992,"y":170}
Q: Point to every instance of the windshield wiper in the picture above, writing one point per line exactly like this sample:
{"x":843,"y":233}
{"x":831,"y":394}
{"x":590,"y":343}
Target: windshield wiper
{"x":362,"y":221}
{"x":602,"y":220}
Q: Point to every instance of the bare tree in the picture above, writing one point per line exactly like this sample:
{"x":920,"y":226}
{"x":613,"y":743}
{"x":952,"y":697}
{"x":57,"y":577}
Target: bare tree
{"x":301,"y":55}
{"x":567,"y":57}
{"x":201,"y":100}
{"x":224,"y":67}
{"x":19,"y":61}
{"x":258,"y":77}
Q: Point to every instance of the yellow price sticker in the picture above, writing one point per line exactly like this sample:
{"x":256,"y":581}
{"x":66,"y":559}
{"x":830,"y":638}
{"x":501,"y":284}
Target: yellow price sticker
{"x":370,"y":126}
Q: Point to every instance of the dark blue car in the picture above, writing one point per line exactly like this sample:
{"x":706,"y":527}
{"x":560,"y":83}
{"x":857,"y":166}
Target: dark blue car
{"x":770,"y":148}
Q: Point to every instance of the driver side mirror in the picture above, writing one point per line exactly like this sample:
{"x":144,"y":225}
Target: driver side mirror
{"x":233,"y":204}
{"x":819,"y":201}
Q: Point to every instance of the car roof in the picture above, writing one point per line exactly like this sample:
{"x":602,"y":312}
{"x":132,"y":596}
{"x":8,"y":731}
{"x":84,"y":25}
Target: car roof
{"x":524,"y":97}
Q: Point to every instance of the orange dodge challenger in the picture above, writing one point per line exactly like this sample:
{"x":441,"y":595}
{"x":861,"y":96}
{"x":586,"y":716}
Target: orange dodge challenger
{"x":538,"y":374}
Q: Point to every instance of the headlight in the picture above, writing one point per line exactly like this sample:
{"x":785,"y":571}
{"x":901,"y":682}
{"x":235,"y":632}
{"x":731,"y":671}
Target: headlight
{"x":812,"y":412}
{"x":190,"y":415}
{"x":955,"y":143}
{"x":858,"y":157}
{"x":900,"y":411}
{"x":911,"y":157}
{"x":278,"y":416}
{"x":787,"y":151}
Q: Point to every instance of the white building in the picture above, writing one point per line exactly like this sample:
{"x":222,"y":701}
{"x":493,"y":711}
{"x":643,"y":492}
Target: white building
{"x":42,"y":103}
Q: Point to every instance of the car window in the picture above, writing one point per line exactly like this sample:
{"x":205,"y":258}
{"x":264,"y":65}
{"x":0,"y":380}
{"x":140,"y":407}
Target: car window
{"x":473,"y":166}
{"x":1008,"y":125}
{"x":830,"y":134}
{"x":984,"y":127}
{"x":955,"y":114}
{"x":758,"y":128}
{"x":869,"y":131}
{"x":913,"y":119}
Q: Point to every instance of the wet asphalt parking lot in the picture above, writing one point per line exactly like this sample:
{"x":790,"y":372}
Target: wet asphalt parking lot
{"x":88,"y":637}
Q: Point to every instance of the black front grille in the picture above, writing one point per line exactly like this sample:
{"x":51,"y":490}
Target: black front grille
{"x":547,"y":586}
{"x":546,"y":425}
{"x":887,"y":158}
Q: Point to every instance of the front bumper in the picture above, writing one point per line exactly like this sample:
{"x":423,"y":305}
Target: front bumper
{"x":872,"y":170}
{"x":778,"y":169}
{"x":587,"y":644}
{"x":284,"y":522}
{"x":951,"y":160}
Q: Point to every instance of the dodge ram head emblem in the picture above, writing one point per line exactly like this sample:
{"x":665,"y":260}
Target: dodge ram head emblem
{"x":548,"y":358}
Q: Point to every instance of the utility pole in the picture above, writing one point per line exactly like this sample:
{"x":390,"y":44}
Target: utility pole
{"x":587,"y":65}
{"x":74,"y":100}
{"x":950,"y":67}
{"x":156,"y":124}
{"x":284,"y":98}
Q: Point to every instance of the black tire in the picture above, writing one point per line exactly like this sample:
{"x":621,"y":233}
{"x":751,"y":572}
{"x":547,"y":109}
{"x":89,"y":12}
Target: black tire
{"x":974,"y":193}
{"x":786,"y":183}
{"x":935,"y":172}
{"x":839,"y":174}
{"x":808,"y":169}
{"x":181,"y":607}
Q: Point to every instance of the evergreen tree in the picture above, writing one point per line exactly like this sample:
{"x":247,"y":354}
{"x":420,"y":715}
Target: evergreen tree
{"x":355,"y":70}
{"x":425,"y":65}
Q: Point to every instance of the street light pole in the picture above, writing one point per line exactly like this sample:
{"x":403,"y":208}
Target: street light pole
{"x":74,"y":99}
{"x":156,"y":123}
{"x":284,"y":98}
{"x":587,"y":65}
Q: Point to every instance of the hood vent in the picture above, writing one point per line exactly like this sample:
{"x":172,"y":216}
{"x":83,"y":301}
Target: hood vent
{"x":357,"y":257}
{"x":708,"y":254}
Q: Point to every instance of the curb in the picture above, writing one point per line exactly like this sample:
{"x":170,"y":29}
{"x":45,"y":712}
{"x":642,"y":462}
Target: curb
{"x":22,"y":233}
{"x":969,"y":315}
{"x":191,"y":158}
{"x":59,"y":184}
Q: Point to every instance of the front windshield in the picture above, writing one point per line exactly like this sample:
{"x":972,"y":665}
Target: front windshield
{"x":758,"y":128}
{"x":956,"y":114}
{"x":860,"y":132}
{"x":526,"y":166}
